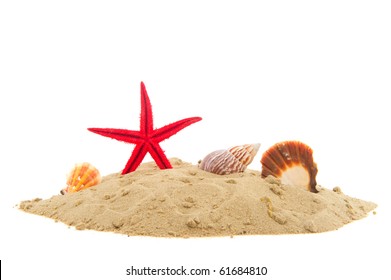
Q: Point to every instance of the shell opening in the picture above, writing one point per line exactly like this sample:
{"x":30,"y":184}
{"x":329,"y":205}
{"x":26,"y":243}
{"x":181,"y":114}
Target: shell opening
{"x":296,"y":176}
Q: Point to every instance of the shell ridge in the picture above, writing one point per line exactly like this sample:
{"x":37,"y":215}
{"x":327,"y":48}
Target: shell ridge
{"x":75,"y":174}
{"x":83,"y":177}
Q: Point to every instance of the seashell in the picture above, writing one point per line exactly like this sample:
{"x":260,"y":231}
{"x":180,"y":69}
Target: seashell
{"x":292,"y":163}
{"x":81,"y":177}
{"x":233,"y":160}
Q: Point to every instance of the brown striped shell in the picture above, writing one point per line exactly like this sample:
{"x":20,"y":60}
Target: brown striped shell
{"x":292,"y":162}
{"x":233,"y":160}
{"x":81,"y":177}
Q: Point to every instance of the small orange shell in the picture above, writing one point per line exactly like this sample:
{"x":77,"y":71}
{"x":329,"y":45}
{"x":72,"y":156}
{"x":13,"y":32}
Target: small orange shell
{"x":81,"y":177}
{"x":233,"y":160}
{"x":292,"y":163}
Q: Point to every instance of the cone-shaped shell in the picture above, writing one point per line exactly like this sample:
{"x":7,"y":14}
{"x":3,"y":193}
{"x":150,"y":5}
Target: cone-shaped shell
{"x":81,"y":177}
{"x":233,"y":160}
{"x":292,"y":162}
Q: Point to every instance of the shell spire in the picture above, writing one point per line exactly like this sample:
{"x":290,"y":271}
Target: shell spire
{"x":81,"y":177}
{"x":233,"y":160}
{"x":292,"y":162}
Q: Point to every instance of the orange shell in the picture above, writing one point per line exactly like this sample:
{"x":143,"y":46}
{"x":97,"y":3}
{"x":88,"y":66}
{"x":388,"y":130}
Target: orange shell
{"x":292,"y":162}
{"x":81,"y":177}
{"x":233,"y":160}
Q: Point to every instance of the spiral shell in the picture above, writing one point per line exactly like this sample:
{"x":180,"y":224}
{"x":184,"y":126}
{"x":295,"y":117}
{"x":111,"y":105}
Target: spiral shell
{"x":233,"y":160}
{"x":292,"y":162}
{"x":81,"y":177}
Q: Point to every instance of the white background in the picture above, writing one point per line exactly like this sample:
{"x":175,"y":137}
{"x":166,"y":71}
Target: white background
{"x":255,"y":71}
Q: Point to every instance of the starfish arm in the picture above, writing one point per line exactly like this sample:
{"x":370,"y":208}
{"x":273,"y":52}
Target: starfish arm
{"x":158,"y":155}
{"x":128,"y":136}
{"x":167,"y":131}
{"x":146,"y":117}
{"x":136,"y":158}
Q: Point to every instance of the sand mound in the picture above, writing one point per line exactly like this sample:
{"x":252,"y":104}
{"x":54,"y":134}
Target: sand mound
{"x":186,"y":201}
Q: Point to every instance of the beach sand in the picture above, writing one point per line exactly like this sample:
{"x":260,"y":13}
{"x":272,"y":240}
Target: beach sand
{"x":188,"y":202}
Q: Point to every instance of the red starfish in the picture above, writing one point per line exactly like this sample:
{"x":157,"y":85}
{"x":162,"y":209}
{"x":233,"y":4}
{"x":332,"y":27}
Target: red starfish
{"x":147,"y":138}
